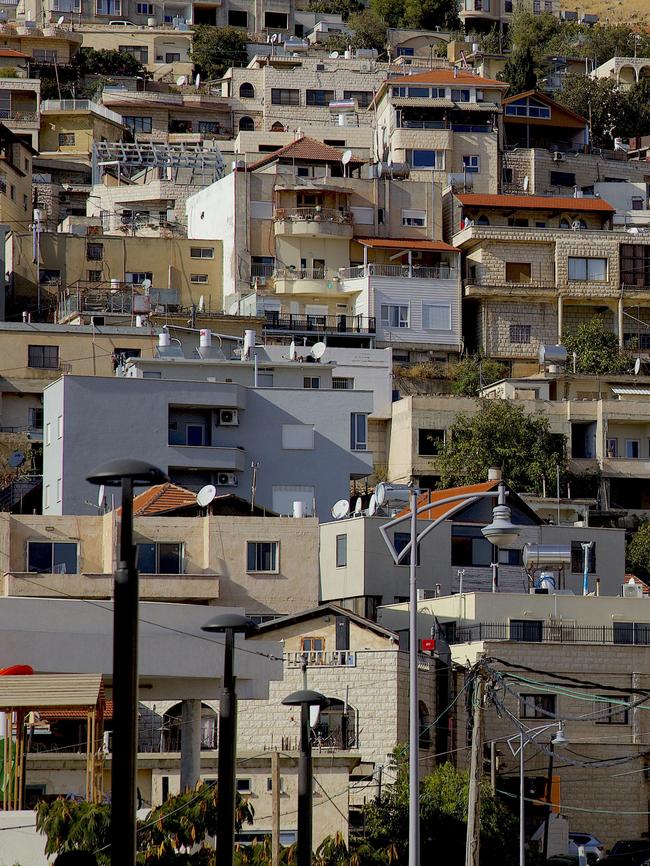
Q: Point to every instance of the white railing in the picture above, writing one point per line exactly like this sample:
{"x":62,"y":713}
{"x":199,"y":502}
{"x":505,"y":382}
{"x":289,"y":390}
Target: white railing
{"x":322,"y":658}
{"x":443,"y":272}
{"x":80,"y":105}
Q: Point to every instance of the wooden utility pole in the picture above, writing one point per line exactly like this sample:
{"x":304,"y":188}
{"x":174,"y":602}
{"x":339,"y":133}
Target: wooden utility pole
{"x":275,"y":811}
{"x":476,"y":765}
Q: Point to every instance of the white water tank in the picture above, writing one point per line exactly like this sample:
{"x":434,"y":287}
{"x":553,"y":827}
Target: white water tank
{"x":164,"y":339}
{"x":299,"y":508}
{"x":249,"y":343}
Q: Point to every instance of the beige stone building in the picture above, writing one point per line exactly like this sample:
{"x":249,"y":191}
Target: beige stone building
{"x":16,"y":155}
{"x":49,"y":43}
{"x":480,"y":16}
{"x":70,"y":126}
{"x":625,"y":71}
{"x":20,"y":100}
{"x":165,"y":50}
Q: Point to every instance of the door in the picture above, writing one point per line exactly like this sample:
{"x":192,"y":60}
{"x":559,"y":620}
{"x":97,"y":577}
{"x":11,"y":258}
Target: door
{"x":195,"y":434}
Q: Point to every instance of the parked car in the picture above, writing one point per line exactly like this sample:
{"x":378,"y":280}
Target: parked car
{"x":628,"y":852}
{"x":593,"y":847}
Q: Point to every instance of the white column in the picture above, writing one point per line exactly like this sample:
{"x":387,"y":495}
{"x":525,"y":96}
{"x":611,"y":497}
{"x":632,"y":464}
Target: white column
{"x":190,"y":744}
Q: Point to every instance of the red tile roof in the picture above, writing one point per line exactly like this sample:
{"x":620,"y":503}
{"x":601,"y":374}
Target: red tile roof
{"x":10,"y":52}
{"x":542,"y":97}
{"x":446,"y":76}
{"x":435,"y":496}
{"x":405,"y":244}
{"x":536,"y":202}
{"x":162,"y":498}
{"x":55,"y":714}
{"x":306,"y":149}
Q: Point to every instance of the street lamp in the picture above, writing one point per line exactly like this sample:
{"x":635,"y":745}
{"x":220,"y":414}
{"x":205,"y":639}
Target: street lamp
{"x":125,"y":473}
{"x":500,"y":532}
{"x":227,"y":623}
{"x":304,"y":699}
{"x":530,"y":734}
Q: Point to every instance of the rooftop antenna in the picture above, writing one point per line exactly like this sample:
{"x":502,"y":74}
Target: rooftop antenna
{"x":318,"y":350}
{"x":181,"y":81}
{"x":340,"y":509}
{"x":292,"y":351}
{"x":205,"y":495}
{"x":345,"y":159}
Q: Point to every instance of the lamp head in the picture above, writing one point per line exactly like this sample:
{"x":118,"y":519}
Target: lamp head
{"x":111,"y":473}
{"x":229,"y":620}
{"x":560,"y":739}
{"x":502,"y":532}
{"x":305,"y":696}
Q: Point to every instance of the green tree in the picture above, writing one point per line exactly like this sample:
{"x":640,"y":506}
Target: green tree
{"x":388,"y":11}
{"x":474,"y":371}
{"x":216,"y":49}
{"x":501,"y":434}
{"x":107,"y":62}
{"x":596,"y":349}
{"x":344,"y":8}
{"x":637,"y":558}
{"x":369,"y":31}
{"x":429,"y":14}
{"x":598,"y":100}
{"x":519,"y":71}
{"x":637,"y":110}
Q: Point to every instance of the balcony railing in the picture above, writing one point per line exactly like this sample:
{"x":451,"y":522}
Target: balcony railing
{"x":322,"y":658}
{"x":313,"y":214}
{"x":80,"y":105}
{"x":443,"y":272}
{"x":627,"y":633}
{"x":488,"y":283}
{"x":30,"y":116}
{"x":300,"y":274}
{"x":443,"y":124}
{"x":277,"y":321}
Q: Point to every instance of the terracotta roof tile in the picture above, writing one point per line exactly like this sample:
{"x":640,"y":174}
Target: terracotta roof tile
{"x":162,"y":498}
{"x":305,"y":149}
{"x":446,"y":76}
{"x":536,"y":202}
{"x":55,"y":714}
{"x":436,"y":495}
{"x":10,"y":52}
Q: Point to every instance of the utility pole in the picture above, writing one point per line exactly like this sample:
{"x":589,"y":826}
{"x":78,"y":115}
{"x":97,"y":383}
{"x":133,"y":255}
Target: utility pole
{"x":476,"y":765}
{"x":493,"y":767}
{"x":275,"y":816}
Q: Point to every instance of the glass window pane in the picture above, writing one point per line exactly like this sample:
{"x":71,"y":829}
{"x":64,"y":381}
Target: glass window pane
{"x":65,"y":558}
{"x":146,"y":558}
{"x":169,"y":559}
{"x":39,"y":556}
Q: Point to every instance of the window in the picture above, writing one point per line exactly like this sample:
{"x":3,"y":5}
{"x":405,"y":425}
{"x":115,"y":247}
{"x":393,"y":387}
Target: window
{"x":44,"y":357}
{"x":587,"y":269}
{"x":472,"y":164}
{"x":414,"y":218}
{"x":144,"y":9}
{"x":237,"y":18}
{"x":459,"y":95}
{"x":243,"y":786}
{"x":400,"y":540}
{"x":48,"y":433}
{"x":209,"y":127}
{"x":246,"y":124}
{"x":138,"y":276}
{"x":298,"y":437}
{"x":341,"y":551}
{"x":426,"y":159}
{"x":632,"y":449}
{"x":520,"y":334}
{"x":563,"y":178}
{"x":395,"y":315}
{"x":637,"y":633}
{"x":635,"y":265}
{"x":358,"y":431}
{"x":404,"y":51}
{"x":35,"y":418}
{"x":172,"y":57}
{"x":320,"y":97}
{"x":202,"y":252}
{"x":195,"y":434}
{"x":276,"y":20}
{"x":95,"y":252}
{"x":198,"y":278}
{"x":138,"y":124}
{"x":518,"y":272}
{"x":469,"y":547}
{"x":363,"y":97}
{"x":45,"y":557}
{"x":160,"y":558}
{"x":262,"y":555}
{"x":527,"y":630}
{"x":246,"y":90}
{"x":430,"y":441}
{"x":94,"y":276}
{"x":611,"y":446}
{"x":284,"y":96}
{"x":312,"y":645}
{"x":528,"y":107}
{"x":577,"y":558}
{"x":59,"y":427}
{"x":58,"y":489}
{"x":436,"y":317}
{"x":638,"y":204}
{"x":109,"y":7}
{"x":311,"y":382}
{"x":66,"y":139}
{"x":612,"y":710}
{"x":342,"y":383}
{"x":537,"y":706}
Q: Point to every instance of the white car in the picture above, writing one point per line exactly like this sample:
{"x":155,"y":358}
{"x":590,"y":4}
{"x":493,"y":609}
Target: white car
{"x":593,"y":846}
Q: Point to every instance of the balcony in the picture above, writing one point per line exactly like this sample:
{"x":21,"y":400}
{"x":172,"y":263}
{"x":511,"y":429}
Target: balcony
{"x":66,"y":106}
{"x":343,"y":324}
{"x":443,"y":124}
{"x":625,"y":467}
{"x":226,"y":458}
{"x":153,"y":587}
{"x":322,"y":658}
{"x":623,"y":633}
{"x":313,"y":222}
{"x":310,"y":281}
{"x":443,"y":272}
{"x":485,"y":287}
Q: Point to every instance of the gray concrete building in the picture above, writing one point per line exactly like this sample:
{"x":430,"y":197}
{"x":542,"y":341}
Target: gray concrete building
{"x":278,"y":445}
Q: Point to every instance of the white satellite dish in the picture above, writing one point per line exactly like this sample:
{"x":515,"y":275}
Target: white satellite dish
{"x":380,"y":493}
{"x":637,"y":366}
{"x":197,"y":81}
{"x":526,"y":183}
{"x":318,"y":350}
{"x":201,"y":304}
{"x":274,"y":38}
{"x":372,"y":507}
{"x":358,"y":507}
{"x":181,"y":80}
{"x":146,"y":284}
{"x":292,"y":351}
{"x":205,"y":495}
{"x":101,"y":496}
{"x":60,"y":20}
{"x":347,"y":156}
{"x":340,"y":509}
{"x":334,"y":55}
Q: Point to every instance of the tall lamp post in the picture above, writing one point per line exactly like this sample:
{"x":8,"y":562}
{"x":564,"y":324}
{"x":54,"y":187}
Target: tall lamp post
{"x":501,"y":533}
{"x":305,"y":699}
{"x":125,"y":473}
{"x":227,"y":624}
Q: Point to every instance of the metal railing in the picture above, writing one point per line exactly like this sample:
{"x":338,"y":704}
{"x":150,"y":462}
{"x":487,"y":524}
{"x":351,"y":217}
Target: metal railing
{"x":415,"y":272}
{"x":30,"y":116}
{"x":626,"y":633}
{"x":442,"y":124}
{"x":277,"y":321}
{"x":299,"y":274}
{"x":80,"y":105}
{"x":17,"y":490}
{"x":488,"y":283}
{"x":313,"y":214}
{"x":322,"y":658}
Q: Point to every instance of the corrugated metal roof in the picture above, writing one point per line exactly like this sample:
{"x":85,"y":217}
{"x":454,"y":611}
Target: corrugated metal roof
{"x":405,"y":244}
{"x":51,"y":690}
{"x":624,"y":389}
{"x":536,"y":202}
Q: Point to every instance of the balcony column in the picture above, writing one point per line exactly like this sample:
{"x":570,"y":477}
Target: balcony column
{"x":620,"y":322}
{"x":190,"y":744}
{"x":409,"y":256}
{"x":365,"y":261}
{"x":560,"y":313}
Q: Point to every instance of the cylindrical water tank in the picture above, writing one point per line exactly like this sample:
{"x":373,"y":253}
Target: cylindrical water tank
{"x":546,"y":556}
{"x":298,"y":508}
{"x":151,"y":22}
{"x":164,"y":339}
{"x":205,"y":338}
{"x":552,"y":355}
{"x":249,"y":343}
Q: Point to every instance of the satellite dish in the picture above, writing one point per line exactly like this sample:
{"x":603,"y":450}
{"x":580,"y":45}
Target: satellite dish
{"x":292,"y":351}
{"x":146,"y":285}
{"x":334,"y":55}
{"x":340,"y":509}
{"x":526,"y":183}
{"x":201,"y":304}
{"x":380,"y":493}
{"x":60,"y":20}
{"x":347,"y":156}
{"x":16,"y":459}
{"x":274,"y":38}
{"x":197,"y":81}
{"x":318,"y":350}
{"x":372,"y":507}
{"x":358,"y":507}
{"x":101,"y":496}
{"x":205,"y":495}
{"x":181,"y":80}
{"x":268,"y":38}
{"x":637,"y":366}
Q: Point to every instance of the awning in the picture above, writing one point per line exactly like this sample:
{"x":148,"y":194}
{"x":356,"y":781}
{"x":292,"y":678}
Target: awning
{"x":51,"y":690}
{"x":640,"y":392}
{"x":406,"y":102}
{"x":406,"y":244}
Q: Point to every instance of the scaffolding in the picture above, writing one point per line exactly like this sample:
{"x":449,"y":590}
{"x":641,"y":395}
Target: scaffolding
{"x":186,"y":164}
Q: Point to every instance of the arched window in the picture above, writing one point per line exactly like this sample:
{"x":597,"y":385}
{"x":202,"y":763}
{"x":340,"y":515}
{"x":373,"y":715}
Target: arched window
{"x":277,"y":127}
{"x":424,"y":726}
{"x":246,"y":124}
{"x":172,"y":731}
{"x":482,"y":220}
{"x":330,"y":731}
{"x":246,"y":91}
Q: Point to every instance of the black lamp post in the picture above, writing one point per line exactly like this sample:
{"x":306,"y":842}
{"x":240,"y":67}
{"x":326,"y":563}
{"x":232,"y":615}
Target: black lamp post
{"x":125,"y":474}
{"x":305,"y":699}
{"x":228,"y":624}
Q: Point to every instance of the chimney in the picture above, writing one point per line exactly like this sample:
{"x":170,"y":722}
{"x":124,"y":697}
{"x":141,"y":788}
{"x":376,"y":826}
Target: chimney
{"x":494,"y":473}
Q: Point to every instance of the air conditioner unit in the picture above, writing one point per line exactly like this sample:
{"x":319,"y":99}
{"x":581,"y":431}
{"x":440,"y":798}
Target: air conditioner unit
{"x":558,"y":157}
{"x":632,"y":590}
{"x":228,"y":417}
{"x":226,"y":479}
